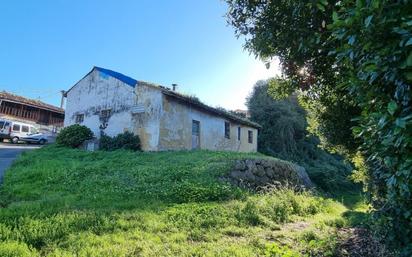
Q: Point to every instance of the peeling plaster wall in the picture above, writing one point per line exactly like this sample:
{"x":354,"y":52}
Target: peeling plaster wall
{"x":176,"y":129}
{"x":146,"y":122}
{"x":98,"y":91}
{"x":161,"y":122}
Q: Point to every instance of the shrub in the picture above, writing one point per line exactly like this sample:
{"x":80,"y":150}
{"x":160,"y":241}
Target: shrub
{"x":126,"y":140}
{"x":16,"y":249}
{"x":73,"y":136}
{"x":274,"y":250}
{"x":106,"y":143}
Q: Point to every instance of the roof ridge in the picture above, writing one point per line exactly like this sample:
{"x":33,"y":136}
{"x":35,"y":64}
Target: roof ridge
{"x":39,"y":104}
{"x":123,"y":78}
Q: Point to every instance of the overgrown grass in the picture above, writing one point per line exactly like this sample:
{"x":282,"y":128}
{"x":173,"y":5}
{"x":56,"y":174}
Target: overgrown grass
{"x":62,"y":202}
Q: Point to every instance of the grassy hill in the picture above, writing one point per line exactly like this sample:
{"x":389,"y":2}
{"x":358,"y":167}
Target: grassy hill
{"x":62,"y":202}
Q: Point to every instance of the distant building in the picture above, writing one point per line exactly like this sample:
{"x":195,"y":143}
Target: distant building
{"x":31,"y":111}
{"x":110,"y":102}
{"x":242,"y":113}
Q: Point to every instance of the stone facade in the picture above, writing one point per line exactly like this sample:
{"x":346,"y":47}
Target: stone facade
{"x":258,"y":173}
{"x":162,"y":118}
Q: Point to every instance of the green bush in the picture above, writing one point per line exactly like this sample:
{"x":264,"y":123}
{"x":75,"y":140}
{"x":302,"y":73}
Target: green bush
{"x":73,"y":136}
{"x":16,"y":249}
{"x":126,"y":140}
{"x":106,"y":142}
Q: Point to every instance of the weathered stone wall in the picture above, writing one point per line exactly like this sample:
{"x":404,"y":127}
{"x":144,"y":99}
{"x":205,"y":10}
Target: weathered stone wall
{"x":257,"y":173}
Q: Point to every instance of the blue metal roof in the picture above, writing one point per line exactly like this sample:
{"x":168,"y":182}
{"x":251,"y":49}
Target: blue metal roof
{"x":125,"y":79}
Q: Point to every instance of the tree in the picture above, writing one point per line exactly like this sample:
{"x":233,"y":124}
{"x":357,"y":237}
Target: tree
{"x":283,"y":122}
{"x":352,"y":58}
{"x":304,"y":55}
{"x":283,"y":135}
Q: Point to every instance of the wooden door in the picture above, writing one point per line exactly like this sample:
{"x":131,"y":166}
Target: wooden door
{"x":195,"y":134}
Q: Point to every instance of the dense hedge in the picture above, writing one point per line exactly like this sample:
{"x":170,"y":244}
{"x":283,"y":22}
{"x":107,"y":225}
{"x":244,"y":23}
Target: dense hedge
{"x":126,"y":140}
{"x":74,"y":135}
{"x":375,"y":38}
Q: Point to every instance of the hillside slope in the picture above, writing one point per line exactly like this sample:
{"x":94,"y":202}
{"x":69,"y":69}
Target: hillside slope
{"x":61,"y":202}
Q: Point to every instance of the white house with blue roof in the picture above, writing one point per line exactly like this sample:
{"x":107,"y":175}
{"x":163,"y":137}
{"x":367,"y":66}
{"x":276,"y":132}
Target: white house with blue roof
{"x":110,"y":102}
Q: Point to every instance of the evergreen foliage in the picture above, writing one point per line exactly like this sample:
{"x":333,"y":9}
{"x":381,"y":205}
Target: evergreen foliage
{"x":353,"y":60}
{"x":73,"y":136}
{"x":126,"y":140}
{"x":284,"y":135}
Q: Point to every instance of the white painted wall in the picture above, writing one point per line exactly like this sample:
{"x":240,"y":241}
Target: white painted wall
{"x":147,"y":123}
{"x":160,"y":122}
{"x":98,"y":91}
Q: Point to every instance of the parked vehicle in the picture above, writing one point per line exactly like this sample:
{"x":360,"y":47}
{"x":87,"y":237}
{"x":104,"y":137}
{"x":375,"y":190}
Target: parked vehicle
{"x":19,"y":131}
{"x":5,"y":129}
{"x":37,"y":138}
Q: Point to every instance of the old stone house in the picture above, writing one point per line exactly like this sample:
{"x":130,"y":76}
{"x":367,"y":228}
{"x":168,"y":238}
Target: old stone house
{"x":110,"y":102}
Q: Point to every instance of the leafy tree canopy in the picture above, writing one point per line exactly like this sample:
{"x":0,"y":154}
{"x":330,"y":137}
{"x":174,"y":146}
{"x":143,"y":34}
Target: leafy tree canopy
{"x":350,"y":58}
{"x":284,"y":135}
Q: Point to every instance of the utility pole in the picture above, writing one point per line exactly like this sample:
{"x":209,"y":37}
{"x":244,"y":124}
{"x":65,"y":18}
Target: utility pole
{"x":62,"y":99}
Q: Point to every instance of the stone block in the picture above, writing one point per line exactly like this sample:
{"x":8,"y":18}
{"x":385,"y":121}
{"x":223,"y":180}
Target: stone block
{"x":240,"y":165}
{"x":260,"y":171}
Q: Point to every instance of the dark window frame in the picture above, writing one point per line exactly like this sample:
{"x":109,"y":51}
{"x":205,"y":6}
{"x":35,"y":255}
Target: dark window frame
{"x":14,"y":126}
{"x":105,"y":113}
{"x":239,"y":129}
{"x":25,"y":129}
{"x":79,"y":118}
{"x":196,"y":124}
{"x":227,"y":129}
{"x":250,"y":136}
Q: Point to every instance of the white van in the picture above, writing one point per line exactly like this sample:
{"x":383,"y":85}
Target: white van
{"x":18,"y":131}
{"x":5,"y":129}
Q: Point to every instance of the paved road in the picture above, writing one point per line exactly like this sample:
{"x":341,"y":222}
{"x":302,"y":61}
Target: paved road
{"x":8,"y":153}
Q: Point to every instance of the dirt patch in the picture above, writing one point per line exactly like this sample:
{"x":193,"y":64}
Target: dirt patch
{"x":296,"y":226}
{"x":360,"y":242}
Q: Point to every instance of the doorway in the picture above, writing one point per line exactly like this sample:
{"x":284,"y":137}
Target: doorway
{"x":195,"y":134}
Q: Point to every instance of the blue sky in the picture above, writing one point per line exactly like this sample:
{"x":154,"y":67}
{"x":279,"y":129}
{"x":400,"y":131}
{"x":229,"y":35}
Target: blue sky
{"x":47,"y":46}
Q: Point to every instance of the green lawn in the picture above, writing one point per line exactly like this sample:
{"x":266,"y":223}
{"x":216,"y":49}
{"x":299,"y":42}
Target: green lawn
{"x":61,"y":202}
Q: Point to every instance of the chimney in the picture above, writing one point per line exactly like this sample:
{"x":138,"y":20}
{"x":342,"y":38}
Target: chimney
{"x":62,"y":99}
{"x":174,"y":86}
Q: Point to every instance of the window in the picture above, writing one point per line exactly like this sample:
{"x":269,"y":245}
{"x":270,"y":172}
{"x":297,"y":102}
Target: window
{"x":195,"y":134}
{"x":33,"y":130}
{"x":195,"y":127}
{"x":238,"y":133}
{"x":25,"y":129}
{"x":227,"y":129}
{"x":79,"y":118}
{"x":105,"y":114}
{"x":1,"y":124}
{"x":16,"y":127}
{"x":250,"y":136}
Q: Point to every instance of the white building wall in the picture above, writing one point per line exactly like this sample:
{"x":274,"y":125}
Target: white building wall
{"x":96,"y":92}
{"x":146,"y":119}
{"x":176,"y":130}
{"x":161,"y":122}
